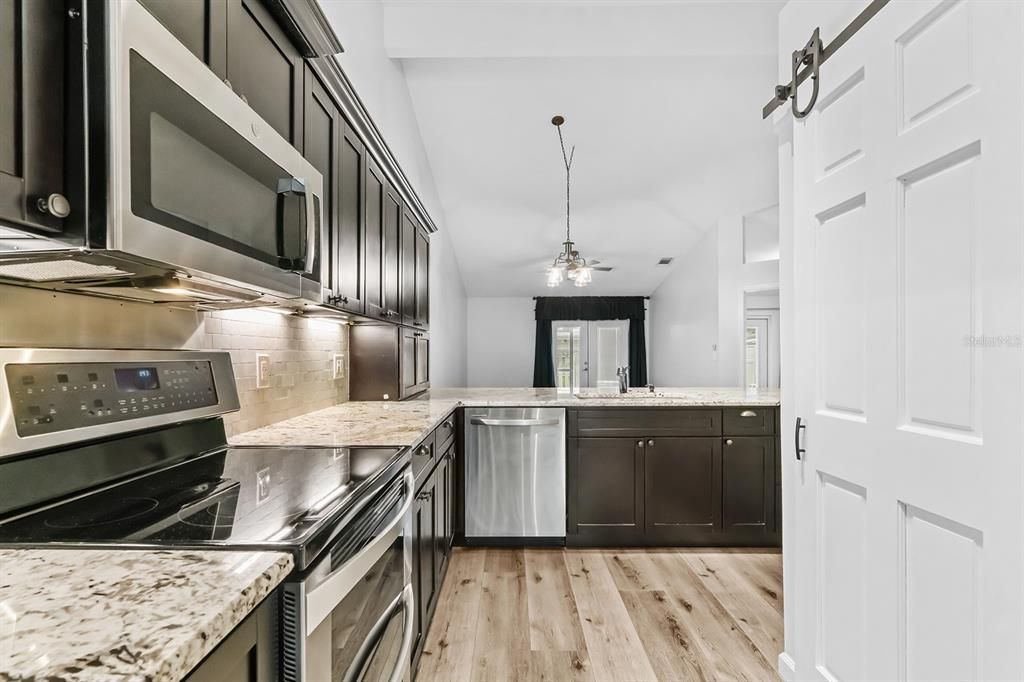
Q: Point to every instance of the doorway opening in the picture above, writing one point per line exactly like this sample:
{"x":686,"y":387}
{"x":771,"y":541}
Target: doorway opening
{"x":761,"y":352}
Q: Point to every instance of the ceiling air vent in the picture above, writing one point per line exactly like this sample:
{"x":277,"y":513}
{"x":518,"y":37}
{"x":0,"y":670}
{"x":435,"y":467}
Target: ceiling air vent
{"x":664,"y":261}
{"x":603,"y":268}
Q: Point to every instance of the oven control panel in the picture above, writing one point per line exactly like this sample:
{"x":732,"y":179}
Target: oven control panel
{"x":51,"y":397}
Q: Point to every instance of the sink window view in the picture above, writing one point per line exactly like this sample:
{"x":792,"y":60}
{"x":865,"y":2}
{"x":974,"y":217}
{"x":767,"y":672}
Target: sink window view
{"x":509,"y":341}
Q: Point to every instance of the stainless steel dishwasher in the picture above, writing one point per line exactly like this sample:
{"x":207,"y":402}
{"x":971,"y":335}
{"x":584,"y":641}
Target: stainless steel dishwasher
{"x":515,"y":475}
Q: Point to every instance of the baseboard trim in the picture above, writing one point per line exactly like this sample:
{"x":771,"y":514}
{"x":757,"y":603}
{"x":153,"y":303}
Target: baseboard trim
{"x":787,"y":667}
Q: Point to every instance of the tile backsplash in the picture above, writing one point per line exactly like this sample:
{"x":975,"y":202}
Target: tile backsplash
{"x":301,"y":350}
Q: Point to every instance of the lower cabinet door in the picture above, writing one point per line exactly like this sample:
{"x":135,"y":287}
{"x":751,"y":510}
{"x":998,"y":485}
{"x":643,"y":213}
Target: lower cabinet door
{"x":682,"y":490}
{"x":423,"y":575}
{"x":605,"y":486}
{"x":748,"y":489}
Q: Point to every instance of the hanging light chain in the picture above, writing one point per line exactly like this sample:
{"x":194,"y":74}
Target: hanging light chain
{"x":567,"y":158}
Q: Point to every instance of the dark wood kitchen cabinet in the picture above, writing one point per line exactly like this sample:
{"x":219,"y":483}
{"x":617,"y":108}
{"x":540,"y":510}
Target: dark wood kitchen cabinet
{"x":388,"y":362}
{"x":432,"y":534}
{"x":42,"y":117}
{"x":322,"y":130}
{"x":373,"y":266}
{"x":749,"y":487}
{"x":391,"y":263}
{"x":350,"y":234}
{"x":682,"y":489}
{"x":248,"y":654}
{"x":262,"y":65}
{"x":605,"y":491}
{"x":673,"y":476}
{"x":421,"y":277}
{"x":408,"y":299}
{"x":243,"y":44}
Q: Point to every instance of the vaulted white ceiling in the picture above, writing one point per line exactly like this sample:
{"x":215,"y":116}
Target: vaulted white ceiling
{"x":662,"y":100}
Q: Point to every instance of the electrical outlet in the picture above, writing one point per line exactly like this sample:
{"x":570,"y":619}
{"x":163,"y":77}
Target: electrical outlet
{"x":339,"y":365}
{"x":262,"y":370}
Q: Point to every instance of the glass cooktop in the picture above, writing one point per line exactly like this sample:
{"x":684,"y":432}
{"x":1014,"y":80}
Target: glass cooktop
{"x":237,"y":497}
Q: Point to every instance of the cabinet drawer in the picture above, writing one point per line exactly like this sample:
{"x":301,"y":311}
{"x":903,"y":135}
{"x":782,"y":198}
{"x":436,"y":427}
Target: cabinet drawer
{"x":645,"y":422}
{"x":423,"y":459}
{"x":444,"y":434}
{"x":748,"y":421}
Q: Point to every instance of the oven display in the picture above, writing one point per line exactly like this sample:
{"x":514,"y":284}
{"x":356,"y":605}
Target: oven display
{"x":137,"y":379}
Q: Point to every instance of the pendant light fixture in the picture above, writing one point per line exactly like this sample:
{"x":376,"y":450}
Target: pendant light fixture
{"x":569,"y":264}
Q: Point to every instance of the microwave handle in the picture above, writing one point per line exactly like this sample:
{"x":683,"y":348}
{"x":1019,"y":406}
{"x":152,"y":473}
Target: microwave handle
{"x":297,"y":187}
{"x":404,"y":603}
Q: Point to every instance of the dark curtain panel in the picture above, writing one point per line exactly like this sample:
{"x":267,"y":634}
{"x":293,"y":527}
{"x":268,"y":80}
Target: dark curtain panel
{"x":543,"y":357}
{"x":637,"y":353}
{"x":589,"y":308}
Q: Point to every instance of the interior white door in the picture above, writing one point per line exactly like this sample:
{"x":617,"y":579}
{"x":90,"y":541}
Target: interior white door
{"x":907,"y":260}
{"x":570,"y":354}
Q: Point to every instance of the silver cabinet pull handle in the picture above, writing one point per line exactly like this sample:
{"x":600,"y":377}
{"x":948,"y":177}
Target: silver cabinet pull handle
{"x":447,"y":423}
{"x":748,"y":413}
{"x":484,"y":421}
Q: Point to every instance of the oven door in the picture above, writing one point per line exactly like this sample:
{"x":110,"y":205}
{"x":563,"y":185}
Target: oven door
{"x":351,"y":618}
{"x":199,"y":180}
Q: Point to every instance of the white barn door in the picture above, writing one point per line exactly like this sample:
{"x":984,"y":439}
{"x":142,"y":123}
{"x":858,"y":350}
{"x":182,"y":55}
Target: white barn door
{"x":907,"y":287}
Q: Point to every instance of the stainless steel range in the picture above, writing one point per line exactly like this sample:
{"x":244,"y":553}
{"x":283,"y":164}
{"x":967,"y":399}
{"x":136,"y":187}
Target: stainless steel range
{"x":126,"y":449}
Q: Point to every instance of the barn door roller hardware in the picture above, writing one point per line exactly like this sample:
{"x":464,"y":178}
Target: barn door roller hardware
{"x":811,"y":57}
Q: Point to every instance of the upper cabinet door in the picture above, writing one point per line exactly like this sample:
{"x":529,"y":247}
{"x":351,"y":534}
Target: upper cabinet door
{"x":351,"y":232}
{"x":190,"y":22}
{"x":373,"y":264}
{"x":422,"y":304}
{"x":391,"y":261}
{"x":408,"y":269}
{"x":263,"y":67}
{"x":41,"y":129}
{"x":322,"y":131}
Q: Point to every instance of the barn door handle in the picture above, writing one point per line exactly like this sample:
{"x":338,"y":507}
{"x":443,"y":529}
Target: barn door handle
{"x":797,"y":432}
{"x":810,"y":55}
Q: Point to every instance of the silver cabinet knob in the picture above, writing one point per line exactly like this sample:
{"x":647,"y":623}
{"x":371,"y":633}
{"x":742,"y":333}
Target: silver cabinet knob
{"x":651,"y":443}
{"x":639,"y":443}
{"x":56,"y":205}
{"x":728,"y":441}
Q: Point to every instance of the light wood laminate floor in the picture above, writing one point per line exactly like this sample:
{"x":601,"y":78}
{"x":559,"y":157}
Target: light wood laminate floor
{"x":606,"y":615}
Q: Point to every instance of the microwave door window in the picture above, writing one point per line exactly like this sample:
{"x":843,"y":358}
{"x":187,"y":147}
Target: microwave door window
{"x":195,"y":174}
{"x":192,"y":182}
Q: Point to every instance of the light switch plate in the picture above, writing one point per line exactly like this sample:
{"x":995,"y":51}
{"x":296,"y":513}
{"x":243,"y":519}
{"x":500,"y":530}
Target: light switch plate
{"x":339,"y":365}
{"x":262,"y":485}
{"x":262,"y":370}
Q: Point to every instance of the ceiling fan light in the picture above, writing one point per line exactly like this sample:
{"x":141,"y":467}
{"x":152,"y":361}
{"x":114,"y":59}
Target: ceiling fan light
{"x":554,"y":276}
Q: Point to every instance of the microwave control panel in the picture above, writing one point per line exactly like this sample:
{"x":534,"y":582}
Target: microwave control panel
{"x":47,"y":398}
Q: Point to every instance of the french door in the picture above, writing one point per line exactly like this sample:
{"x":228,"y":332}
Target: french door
{"x":588,"y":353}
{"x":906,"y":562}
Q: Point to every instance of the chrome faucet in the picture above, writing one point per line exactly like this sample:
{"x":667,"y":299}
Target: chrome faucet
{"x":623,"y":374}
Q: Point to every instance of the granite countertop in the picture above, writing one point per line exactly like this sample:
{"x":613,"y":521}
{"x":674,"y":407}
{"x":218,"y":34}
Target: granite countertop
{"x":104,"y":614}
{"x":406,"y":423}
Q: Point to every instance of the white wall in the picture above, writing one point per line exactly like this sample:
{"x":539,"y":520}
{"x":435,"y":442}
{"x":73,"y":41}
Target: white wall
{"x":500,"y":340}
{"x":684,"y":320}
{"x":697,"y":331}
{"x":380,"y":83}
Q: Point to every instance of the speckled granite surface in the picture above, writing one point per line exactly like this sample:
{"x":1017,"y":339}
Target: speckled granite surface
{"x":124,"y":614}
{"x":406,"y":423}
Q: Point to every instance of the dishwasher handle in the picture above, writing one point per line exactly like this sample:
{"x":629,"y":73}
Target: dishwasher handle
{"x":485,"y":421}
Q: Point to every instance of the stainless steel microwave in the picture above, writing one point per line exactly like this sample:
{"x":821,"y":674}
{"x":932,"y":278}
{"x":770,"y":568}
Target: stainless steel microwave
{"x":197,"y":182}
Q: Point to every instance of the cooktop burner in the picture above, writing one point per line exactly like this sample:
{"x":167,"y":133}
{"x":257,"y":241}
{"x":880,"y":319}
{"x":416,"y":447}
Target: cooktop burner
{"x":130,"y":508}
{"x":246,"y":496}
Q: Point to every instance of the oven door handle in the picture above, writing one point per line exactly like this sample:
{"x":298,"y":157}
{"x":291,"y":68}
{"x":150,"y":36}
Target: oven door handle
{"x":405,"y":602}
{"x":296,"y":187}
{"x":328,"y":594}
